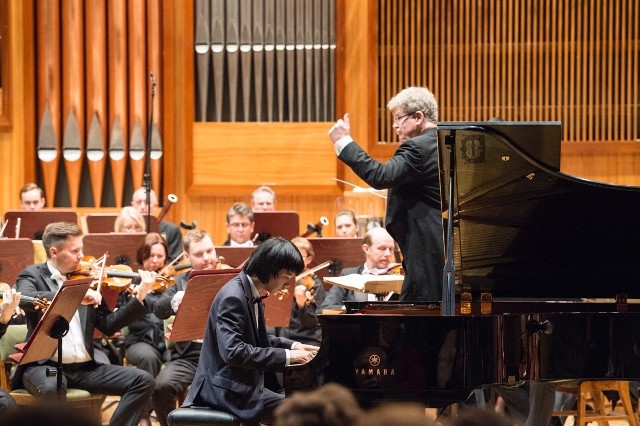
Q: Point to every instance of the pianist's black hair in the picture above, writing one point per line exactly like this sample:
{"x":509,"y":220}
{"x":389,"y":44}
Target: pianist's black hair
{"x":272,"y":256}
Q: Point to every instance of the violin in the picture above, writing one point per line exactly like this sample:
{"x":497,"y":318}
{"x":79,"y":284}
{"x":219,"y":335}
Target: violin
{"x":114,"y":277}
{"x":176,"y":267}
{"x":221,"y":265}
{"x":38,"y":304}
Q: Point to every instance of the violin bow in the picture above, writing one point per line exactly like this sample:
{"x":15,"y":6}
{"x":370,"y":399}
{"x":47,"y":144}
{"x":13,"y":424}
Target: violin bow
{"x":102,"y":263}
{"x":312,"y":270}
{"x":370,"y":190}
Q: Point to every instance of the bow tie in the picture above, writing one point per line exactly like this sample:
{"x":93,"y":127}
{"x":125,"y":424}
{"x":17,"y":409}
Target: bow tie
{"x":259,"y":298}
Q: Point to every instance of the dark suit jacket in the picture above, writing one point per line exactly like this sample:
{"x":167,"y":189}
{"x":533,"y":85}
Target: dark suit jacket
{"x":235,"y":355}
{"x":35,"y":281}
{"x":163,"y":310}
{"x":413,"y":215}
{"x":173,"y":236}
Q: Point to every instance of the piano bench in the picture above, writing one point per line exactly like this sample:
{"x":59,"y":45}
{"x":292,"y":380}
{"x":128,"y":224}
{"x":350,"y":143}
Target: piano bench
{"x":198,"y":416}
{"x":592,"y":390}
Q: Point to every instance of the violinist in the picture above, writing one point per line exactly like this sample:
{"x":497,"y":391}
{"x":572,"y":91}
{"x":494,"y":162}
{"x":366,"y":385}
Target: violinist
{"x":145,"y":345}
{"x":63,"y":244}
{"x":8,"y":307}
{"x":377,"y":246}
{"x":308,"y":295}
{"x":174,"y":379}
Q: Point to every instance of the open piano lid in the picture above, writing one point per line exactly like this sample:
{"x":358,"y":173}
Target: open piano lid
{"x":522,"y":229}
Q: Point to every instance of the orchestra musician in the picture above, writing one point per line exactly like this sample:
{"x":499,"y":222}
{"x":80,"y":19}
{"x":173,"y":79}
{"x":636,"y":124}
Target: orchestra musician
{"x":31,"y":197}
{"x":170,"y":231}
{"x":377,"y":246}
{"x":129,"y":220}
{"x":238,"y":360}
{"x":63,"y":244}
{"x":346,"y":224}
{"x":8,"y":308}
{"x":240,"y":225}
{"x":178,"y":374}
{"x":307,"y":296}
{"x":263,"y":199}
{"x":413,"y":215}
{"x":145,"y":345}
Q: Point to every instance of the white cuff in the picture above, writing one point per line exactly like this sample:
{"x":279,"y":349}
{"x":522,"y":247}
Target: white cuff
{"x":342,"y":142}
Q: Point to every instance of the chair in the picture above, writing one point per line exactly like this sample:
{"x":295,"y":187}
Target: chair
{"x":78,"y":399}
{"x":196,"y":416}
{"x":593,"y":391}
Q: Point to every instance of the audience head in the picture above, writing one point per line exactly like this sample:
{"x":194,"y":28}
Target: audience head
{"x":396,"y":414}
{"x":414,"y":110}
{"x":130,"y":220}
{"x":152,"y":254}
{"x":274,"y":262}
{"x":240,"y":223}
{"x":378,"y":248}
{"x":139,"y":200}
{"x":346,"y":223}
{"x":200,"y":249}
{"x":306,"y":249}
{"x":31,"y":197}
{"x":480,"y":417}
{"x":329,"y":405}
{"x":62,"y":242}
{"x":263,"y":199}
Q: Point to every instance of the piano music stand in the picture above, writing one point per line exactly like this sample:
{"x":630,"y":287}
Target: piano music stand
{"x":53,"y":326}
{"x":285,"y":224}
{"x":33,"y":223}
{"x":190,"y":322}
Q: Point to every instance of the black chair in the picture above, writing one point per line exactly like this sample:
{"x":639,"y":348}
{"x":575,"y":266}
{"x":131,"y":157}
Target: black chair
{"x":197,"y":416}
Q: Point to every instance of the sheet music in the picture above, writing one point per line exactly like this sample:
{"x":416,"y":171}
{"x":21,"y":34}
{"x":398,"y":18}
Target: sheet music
{"x":368,"y":283}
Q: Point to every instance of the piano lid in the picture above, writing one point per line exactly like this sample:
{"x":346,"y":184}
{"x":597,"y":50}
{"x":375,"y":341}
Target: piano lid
{"x":523,"y":229}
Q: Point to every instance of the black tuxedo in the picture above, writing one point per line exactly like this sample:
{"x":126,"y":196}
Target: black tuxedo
{"x":134,"y":385}
{"x":413,"y":217}
{"x":236,"y":356}
{"x":178,"y":374}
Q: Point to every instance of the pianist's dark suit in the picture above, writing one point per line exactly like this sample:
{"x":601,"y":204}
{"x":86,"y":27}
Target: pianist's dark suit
{"x":413,"y":216}
{"x":236,"y":356}
{"x":135,"y":386}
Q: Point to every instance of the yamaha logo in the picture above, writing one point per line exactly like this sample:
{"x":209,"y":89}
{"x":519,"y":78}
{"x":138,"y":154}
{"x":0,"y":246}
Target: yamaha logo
{"x":374,"y":360}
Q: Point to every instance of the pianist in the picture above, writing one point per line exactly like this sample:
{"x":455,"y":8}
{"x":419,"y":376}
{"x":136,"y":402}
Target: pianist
{"x":377,"y":246}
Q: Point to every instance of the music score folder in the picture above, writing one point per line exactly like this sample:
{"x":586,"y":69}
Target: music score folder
{"x":40,"y":345}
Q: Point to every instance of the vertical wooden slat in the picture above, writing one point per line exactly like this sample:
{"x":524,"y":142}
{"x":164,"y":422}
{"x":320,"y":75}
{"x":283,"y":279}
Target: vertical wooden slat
{"x":154,"y":47}
{"x":118,"y":111}
{"x":96,"y":70}
{"x":73,"y":94}
{"x":138,"y":83}
{"x":49,"y":92}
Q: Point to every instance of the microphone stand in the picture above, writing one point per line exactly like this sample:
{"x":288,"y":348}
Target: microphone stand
{"x":449,"y":270}
{"x":147,"y":165}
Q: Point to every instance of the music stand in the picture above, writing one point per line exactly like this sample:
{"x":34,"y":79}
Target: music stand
{"x":15,"y":255}
{"x":234,"y":256}
{"x":348,"y":251}
{"x":285,"y":224}
{"x":53,"y":326}
{"x":32,"y":223}
{"x":122,"y":247}
{"x":103,"y":223}
{"x":190,"y":322}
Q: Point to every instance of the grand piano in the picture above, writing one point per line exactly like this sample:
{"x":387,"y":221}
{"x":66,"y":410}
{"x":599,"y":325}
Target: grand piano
{"x":547,"y":277}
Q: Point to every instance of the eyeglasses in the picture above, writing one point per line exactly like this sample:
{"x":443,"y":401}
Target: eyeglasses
{"x":399,"y":120}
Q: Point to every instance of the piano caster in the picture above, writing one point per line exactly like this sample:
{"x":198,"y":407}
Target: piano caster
{"x":534,"y":326}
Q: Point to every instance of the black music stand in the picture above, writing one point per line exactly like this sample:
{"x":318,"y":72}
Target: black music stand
{"x":53,"y":326}
{"x":32,"y":223}
{"x":285,"y":224}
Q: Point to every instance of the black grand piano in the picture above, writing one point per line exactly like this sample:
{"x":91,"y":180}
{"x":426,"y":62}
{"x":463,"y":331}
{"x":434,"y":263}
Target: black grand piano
{"x":547,"y":270}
